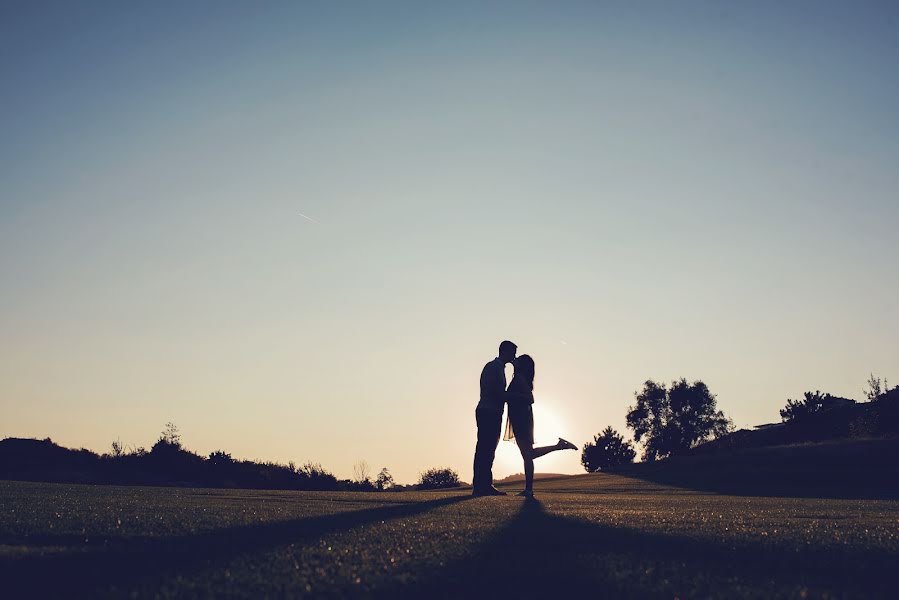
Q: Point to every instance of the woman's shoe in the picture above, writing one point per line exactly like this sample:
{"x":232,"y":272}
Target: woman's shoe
{"x":566,"y":445}
{"x":526,"y":493}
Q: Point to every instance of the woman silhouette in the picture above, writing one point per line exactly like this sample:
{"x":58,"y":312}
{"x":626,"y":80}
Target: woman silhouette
{"x":520,"y":423}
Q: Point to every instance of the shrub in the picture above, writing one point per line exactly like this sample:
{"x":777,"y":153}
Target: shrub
{"x":438,"y":478}
{"x":170,"y":435}
{"x":607,"y":450}
{"x":796,"y":409}
{"x":117,"y":449}
{"x":812,"y":403}
{"x":317,"y":477}
{"x":877,"y":389}
{"x":220,"y":458}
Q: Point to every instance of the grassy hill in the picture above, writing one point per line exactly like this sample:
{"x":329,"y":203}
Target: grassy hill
{"x":845,"y":452}
{"x":879,"y":419}
{"x":585,"y":536}
{"x":864,"y":468}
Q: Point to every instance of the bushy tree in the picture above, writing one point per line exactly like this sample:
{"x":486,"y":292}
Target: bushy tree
{"x":317,"y":477}
{"x":438,"y":478}
{"x":811,"y":403}
{"x":168,"y":459}
{"x":170,"y":435}
{"x":220,"y":458}
{"x":670,"y":421}
{"x":385,"y":480}
{"x":607,"y":450}
{"x":117,"y":448}
{"x":876,"y":389}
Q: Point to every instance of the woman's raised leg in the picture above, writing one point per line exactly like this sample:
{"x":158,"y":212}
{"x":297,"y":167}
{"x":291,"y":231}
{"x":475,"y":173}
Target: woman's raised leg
{"x":544,"y":450}
{"x":529,"y":453}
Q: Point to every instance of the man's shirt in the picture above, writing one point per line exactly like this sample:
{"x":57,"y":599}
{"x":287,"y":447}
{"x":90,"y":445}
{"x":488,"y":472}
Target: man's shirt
{"x":493,"y":385}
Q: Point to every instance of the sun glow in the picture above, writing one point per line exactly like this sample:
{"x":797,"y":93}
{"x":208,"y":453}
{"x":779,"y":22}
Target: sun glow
{"x":549,"y":425}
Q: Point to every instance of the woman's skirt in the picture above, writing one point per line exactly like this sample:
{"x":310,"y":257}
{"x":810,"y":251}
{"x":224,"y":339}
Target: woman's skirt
{"x":520,"y":423}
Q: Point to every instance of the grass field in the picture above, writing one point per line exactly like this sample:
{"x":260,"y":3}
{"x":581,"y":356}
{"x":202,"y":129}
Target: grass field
{"x":590,"y":535}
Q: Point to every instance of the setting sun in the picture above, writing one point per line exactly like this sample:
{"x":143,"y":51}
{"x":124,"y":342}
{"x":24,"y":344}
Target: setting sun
{"x":549,"y":425}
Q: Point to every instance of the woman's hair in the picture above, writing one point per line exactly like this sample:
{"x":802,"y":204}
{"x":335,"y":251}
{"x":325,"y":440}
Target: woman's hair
{"x":524,"y":368}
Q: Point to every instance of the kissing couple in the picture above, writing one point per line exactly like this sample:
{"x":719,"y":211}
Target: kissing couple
{"x":520,"y":421}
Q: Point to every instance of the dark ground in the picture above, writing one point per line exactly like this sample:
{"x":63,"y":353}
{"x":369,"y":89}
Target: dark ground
{"x":849,"y":469}
{"x":589,"y":536}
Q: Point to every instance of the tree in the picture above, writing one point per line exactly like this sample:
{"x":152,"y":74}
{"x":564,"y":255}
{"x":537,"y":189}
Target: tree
{"x":607,"y":450}
{"x":220,"y":458}
{"x":170,"y":435}
{"x":117,"y":448}
{"x":384,"y":480}
{"x":438,"y":478}
{"x":809,"y":404}
{"x":361,"y":472}
{"x":671,"y":421}
{"x":317,"y":477}
{"x":876,"y":389}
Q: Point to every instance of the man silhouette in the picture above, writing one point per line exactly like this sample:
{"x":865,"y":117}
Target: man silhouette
{"x":489,"y":417}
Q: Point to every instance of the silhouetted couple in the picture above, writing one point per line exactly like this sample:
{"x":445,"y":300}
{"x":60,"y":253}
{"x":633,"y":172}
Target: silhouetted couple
{"x":520,"y":425}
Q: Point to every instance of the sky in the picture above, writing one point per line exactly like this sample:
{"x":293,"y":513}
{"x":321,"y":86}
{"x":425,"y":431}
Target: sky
{"x":299,"y":230}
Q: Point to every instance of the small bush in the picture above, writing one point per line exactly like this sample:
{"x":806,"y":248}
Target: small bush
{"x":117,"y":448}
{"x":438,"y":478}
{"x":220,"y":458}
{"x":808,"y":405}
{"x":607,"y":450}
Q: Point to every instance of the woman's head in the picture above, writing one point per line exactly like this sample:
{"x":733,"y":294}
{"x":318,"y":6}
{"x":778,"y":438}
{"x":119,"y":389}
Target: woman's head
{"x":524,"y":368}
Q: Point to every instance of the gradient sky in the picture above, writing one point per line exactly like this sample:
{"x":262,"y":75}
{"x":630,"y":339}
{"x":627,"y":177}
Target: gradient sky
{"x":299,"y":230}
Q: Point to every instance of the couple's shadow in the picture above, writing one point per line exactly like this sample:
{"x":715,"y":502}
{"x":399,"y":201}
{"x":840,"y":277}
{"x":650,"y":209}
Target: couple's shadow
{"x":535,"y":553}
{"x":541,"y":554}
{"x":529,"y":556}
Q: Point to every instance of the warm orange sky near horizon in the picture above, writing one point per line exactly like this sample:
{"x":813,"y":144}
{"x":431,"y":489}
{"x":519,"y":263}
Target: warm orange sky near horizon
{"x":299,"y":232}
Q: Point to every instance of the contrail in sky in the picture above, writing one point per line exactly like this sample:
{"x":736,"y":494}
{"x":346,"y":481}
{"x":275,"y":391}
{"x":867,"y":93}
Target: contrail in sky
{"x":310,"y":219}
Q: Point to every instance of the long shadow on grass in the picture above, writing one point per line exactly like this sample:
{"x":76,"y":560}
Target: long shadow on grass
{"x":543,"y":555}
{"x":121,"y":564}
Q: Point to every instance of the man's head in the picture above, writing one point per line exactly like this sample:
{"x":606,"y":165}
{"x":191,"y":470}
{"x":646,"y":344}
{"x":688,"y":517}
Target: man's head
{"x":507,"y":351}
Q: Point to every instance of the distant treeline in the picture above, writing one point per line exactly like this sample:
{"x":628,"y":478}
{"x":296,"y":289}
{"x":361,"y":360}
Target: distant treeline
{"x":166,"y":463}
{"x":169,"y":463}
{"x":682,"y":419}
{"x":825,"y":418}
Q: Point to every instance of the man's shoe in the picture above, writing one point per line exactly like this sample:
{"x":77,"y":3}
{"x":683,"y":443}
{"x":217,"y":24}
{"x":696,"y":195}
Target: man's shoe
{"x":566,"y":445}
{"x":526,"y":493}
